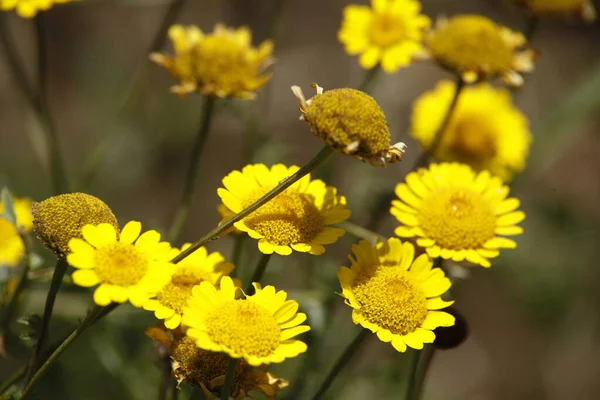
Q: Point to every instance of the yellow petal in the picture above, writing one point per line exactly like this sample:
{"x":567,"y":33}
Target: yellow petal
{"x":511,"y":219}
{"x":130,"y":232}
{"x":85,"y":278}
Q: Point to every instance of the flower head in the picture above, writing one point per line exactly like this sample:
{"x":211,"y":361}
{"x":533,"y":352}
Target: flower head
{"x":258,"y":328}
{"x":583,"y":9}
{"x":351,"y":122}
{"x":478,"y":48}
{"x":223,"y":63}
{"x":225,"y":213}
{"x":195,"y":268}
{"x":395,"y":295}
{"x":59,"y":219}
{"x":29,"y":8}
{"x":23,"y":211}
{"x":296,"y":219}
{"x":12,"y":247}
{"x":390,"y":33}
{"x":456,"y":213}
{"x":127,"y":267}
{"x":486,"y":131}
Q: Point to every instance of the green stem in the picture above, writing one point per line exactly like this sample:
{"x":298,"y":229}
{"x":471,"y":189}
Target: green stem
{"x":192,"y":171}
{"x":342,"y":362}
{"x":12,"y":305}
{"x":531,"y":27}
{"x":238,"y":249}
{"x":321,"y":157}
{"x":258,"y":272}
{"x":229,"y":378}
{"x":359,"y":232}
{"x":369,"y":79}
{"x":418,"y":372}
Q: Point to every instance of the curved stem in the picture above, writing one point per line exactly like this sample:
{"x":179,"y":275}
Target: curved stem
{"x":192,"y":171}
{"x":369,"y":80}
{"x":229,"y":378}
{"x":418,"y":372}
{"x":258,"y":273}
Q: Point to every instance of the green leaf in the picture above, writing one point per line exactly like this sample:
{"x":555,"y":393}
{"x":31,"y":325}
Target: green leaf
{"x":9,"y":205}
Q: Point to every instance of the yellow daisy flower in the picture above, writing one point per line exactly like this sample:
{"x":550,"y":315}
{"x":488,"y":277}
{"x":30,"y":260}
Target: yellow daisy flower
{"x":127,"y":267}
{"x":583,"y":9}
{"x":456,"y":213}
{"x":486,"y":131}
{"x":12,"y":247}
{"x":225,"y":213}
{"x":296,"y":219}
{"x":23,"y":212}
{"x":390,"y":33}
{"x":29,"y":8}
{"x":351,"y":122}
{"x":258,"y":328}
{"x":395,"y":295}
{"x":223,"y":63}
{"x":195,"y":268}
{"x":478,"y":48}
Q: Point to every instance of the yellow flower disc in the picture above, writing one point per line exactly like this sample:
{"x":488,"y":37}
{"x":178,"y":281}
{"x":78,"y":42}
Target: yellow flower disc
{"x":583,"y":9}
{"x":12,"y":247}
{"x":120,"y":264}
{"x":29,"y":8}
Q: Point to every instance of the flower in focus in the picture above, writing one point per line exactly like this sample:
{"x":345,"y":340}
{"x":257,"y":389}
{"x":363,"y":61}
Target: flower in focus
{"x":223,"y":63}
{"x":486,"y":131}
{"x":391,"y":33}
{"x":456,"y":213}
{"x":12,"y":247}
{"x":296,"y":219}
{"x":395,"y":295}
{"x":22,"y":208}
{"x":258,"y":328}
{"x":59,"y":219}
{"x":29,"y":8}
{"x":583,"y":9}
{"x":189,"y":272}
{"x":351,"y":122}
{"x":127,"y":267}
{"x":478,"y":48}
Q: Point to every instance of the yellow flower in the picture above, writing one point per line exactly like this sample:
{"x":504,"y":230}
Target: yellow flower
{"x":12,"y":247}
{"x":223,"y":63}
{"x":583,"y":9}
{"x":258,"y":329}
{"x":29,"y":8}
{"x":23,"y":211}
{"x":478,"y":48}
{"x":59,"y":219}
{"x":391,"y":33}
{"x":195,"y":268}
{"x":296,"y":219}
{"x":486,"y":131}
{"x":457,"y":214}
{"x":395,"y":295}
{"x":225,"y":213}
{"x":124,"y":270}
{"x":351,"y":122}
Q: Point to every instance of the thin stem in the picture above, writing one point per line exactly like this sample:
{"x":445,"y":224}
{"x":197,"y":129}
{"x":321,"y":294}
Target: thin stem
{"x":418,"y":372}
{"x":369,"y":79}
{"x":258,"y":272}
{"x":321,"y":157}
{"x":238,"y":249}
{"x":359,"y":232}
{"x":42,"y":59}
{"x":531,"y":27}
{"x":276,"y":13}
{"x":12,"y":305}
{"x":342,"y":362}
{"x":174,"y":390}
{"x":229,"y":378}
{"x":192,"y":171}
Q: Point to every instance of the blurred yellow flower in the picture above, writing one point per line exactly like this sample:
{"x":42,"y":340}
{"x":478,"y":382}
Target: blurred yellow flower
{"x":395,"y":295}
{"x":222,"y":64}
{"x":12,"y":247}
{"x":390,"y":33}
{"x":127,"y":267}
{"x":195,"y":268}
{"x":351,"y":122}
{"x":456,"y":213}
{"x":478,"y":49}
{"x":296,"y":219}
{"x":23,"y":211}
{"x":258,"y":328}
{"x":29,"y":8}
{"x":225,"y":213}
{"x":583,"y":9}
{"x":486,"y":131}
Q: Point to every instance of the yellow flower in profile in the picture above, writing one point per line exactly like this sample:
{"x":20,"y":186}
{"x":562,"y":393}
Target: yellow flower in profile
{"x":296,"y":219}
{"x":395,"y":295}
{"x":189,"y":272}
{"x":29,"y":8}
{"x":486,"y":131}
{"x":12,"y":247}
{"x":258,"y":328}
{"x":222,"y":64}
{"x":390,"y":33}
{"x":583,"y":9}
{"x":456,"y":213}
{"x":351,"y":122}
{"x":130,"y":267}
{"x":478,"y":49}
{"x":23,"y":212}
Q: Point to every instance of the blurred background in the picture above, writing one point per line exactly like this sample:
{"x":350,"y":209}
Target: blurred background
{"x":533,"y":317}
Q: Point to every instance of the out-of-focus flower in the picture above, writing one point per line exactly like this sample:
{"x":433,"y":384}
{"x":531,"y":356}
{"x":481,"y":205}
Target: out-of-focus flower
{"x":582,"y":9}
{"x":12,"y":247}
{"x":390,"y":33}
{"x":456,"y":213}
{"x":296,"y":219}
{"x":29,"y":8}
{"x":225,"y":213}
{"x":395,"y":295}
{"x":486,"y":131}
{"x":22,"y":207}
{"x":222,"y":63}
{"x":351,"y":122}
{"x":130,"y":267}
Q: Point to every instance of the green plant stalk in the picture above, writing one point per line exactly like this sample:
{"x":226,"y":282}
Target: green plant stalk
{"x":236,"y":254}
{"x":229,"y":378}
{"x":258,"y":272}
{"x":192,"y":171}
{"x":369,"y":79}
{"x":359,"y":232}
{"x":12,"y":305}
{"x":418,"y":372}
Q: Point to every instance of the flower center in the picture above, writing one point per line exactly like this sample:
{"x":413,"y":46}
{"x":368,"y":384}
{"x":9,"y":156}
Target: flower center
{"x":245,"y":327}
{"x":386,"y":30}
{"x":287,"y":219}
{"x":177,"y":292}
{"x":457,"y":218}
{"x":120,"y":264}
{"x":222,"y":62}
{"x":389,"y":299}
{"x":472,"y":141}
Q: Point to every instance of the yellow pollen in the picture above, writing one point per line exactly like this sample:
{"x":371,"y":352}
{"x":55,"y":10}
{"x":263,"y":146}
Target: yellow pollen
{"x":457,"y":218}
{"x":222,"y":62}
{"x":386,"y":30}
{"x":389,"y":299}
{"x":175,"y":296}
{"x":120,"y":264}
{"x":472,"y":140}
{"x":245,"y":327}
{"x":287,"y":219}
